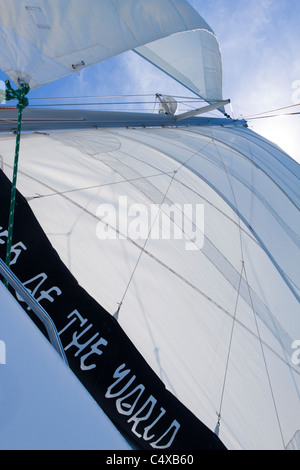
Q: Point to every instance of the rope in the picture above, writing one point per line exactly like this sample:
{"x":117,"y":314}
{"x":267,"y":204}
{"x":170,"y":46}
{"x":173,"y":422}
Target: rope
{"x":116,"y":315}
{"x":20,"y":96}
{"x":219,"y":414}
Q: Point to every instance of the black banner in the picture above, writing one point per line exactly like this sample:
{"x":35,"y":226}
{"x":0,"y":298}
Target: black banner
{"x":98,"y":351}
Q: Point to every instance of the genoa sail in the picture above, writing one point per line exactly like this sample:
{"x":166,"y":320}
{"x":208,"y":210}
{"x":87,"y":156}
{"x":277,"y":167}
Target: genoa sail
{"x":200,"y":70}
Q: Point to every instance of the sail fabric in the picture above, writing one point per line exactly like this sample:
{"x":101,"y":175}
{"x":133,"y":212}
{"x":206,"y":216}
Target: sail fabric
{"x":193,"y":58}
{"x":45,"y":40}
{"x":98,"y":351}
{"x":221,"y":298}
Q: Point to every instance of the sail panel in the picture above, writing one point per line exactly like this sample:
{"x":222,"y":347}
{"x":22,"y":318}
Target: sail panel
{"x":193,"y":58}
{"x":51,"y":39}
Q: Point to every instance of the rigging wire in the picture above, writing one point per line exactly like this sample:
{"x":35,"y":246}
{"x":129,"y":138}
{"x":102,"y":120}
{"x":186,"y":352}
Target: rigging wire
{"x":187,"y":101}
{"x":116,"y":315}
{"x":257,"y":116}
{"x":253,"y":310}
{"x":261,"y":345}
{"x":98,"y":186}
{"x":274,"y":110}
{"x":106,"y":103}
{"x":88,"y":97}
{"x":219,"y":413}
{"x":272,"y":116}
{"x":265,"y":361}
{"x":195,"y":98}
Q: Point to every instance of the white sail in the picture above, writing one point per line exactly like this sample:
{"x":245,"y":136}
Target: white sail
{"x":46,"y":40}
{"x":193,"y":58}
{"x":234,"y":297}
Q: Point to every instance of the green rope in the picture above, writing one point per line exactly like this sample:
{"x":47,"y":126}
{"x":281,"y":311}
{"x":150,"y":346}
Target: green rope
{"x":20,"y":96}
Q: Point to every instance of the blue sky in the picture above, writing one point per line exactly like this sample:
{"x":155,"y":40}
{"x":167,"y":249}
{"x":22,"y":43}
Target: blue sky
{"x":260,"y":43}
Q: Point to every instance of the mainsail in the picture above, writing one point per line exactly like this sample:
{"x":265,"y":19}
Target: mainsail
{"x":242,"y":273}
{"x":49,"y":40}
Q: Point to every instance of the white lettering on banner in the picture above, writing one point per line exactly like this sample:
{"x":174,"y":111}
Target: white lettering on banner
{"x":36,"y":283}
{"x":34,"y":287}
{"x":3,"y":234}
{"x":76,"y":316}
{"x":131,"y":399}
{"x":138,"y":417}
{"x":143,"y":412}
{"x":16,"y":249}
{"x":94,"y":348}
